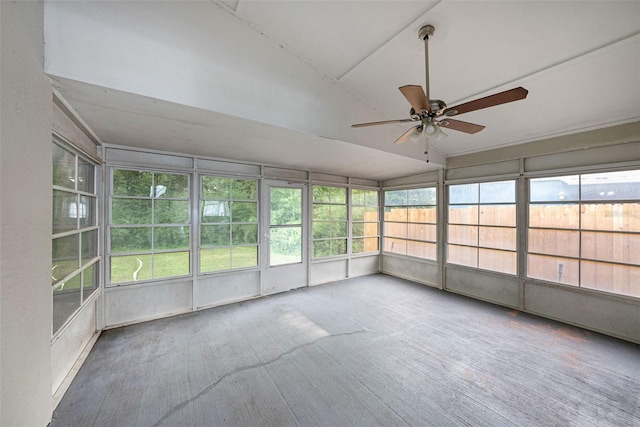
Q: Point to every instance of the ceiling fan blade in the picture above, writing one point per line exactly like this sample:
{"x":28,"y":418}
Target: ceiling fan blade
{"x":385,"y":122}
{"x":406,"y":135}
{"x":416,"y":97}
{"x":489,"y":101}
{"x":461,"y":126}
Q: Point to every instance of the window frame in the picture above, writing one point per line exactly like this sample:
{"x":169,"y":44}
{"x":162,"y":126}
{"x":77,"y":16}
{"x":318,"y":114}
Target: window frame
{"x":478,"y":224}
{"x":151,"y":224}
{"x":84,"y":264}
{"x":200,"y":223}
{"x":330,"y":222}
{"x":580,"y":230}
{"x":353,"y":237}
{"x":408,"y":205}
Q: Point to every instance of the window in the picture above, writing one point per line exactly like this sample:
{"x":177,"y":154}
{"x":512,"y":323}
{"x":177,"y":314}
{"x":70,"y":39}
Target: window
{"x":410,"y":222}
{"x":482,"y":226}
{"x":584,"y":230}
{"x":364,"y":221}
{"x":75,"y":261}
{"x":329,"y":221}
{"x":229,"y":223}
{"x":149,"y":225}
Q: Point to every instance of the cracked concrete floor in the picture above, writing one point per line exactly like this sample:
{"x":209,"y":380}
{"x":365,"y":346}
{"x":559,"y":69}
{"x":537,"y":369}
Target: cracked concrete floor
{"x":375,"y":350}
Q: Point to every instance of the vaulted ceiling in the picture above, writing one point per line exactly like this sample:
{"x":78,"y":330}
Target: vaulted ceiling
{"x":280,"y":82}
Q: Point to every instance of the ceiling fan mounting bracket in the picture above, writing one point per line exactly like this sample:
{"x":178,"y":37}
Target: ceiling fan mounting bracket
{"x":426,"y":31}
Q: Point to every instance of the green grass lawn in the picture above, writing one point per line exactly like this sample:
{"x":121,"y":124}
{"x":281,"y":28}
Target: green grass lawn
{"x":143,"y":267}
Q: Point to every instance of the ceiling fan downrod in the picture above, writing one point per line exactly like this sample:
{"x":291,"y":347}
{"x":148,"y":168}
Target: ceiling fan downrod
{"x":423,"y":34}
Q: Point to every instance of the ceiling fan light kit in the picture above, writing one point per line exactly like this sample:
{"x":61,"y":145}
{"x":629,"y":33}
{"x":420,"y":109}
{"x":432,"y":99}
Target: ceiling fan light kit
{"x":433,"y":114}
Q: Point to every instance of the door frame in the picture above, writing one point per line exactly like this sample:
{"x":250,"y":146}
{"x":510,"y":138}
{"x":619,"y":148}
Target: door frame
{"x":284,"y":277}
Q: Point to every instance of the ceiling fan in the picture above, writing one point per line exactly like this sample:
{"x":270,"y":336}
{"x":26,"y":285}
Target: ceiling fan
{"x":434,"y":113}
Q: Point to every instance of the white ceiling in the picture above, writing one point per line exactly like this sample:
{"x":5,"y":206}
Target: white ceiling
{"x":280,"y":82}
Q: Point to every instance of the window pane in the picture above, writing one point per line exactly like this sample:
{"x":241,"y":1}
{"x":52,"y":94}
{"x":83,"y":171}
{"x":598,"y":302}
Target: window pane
{"x":132,"y":183}
{"x":422,"y":232}
{"x":170,"y":264}
{"x":171,"y":211}
{"x":422,"y":196}
{"x":396,"y":198}
{"x":358,"y":197}
{"x":357,"y":229}
{"x":285,"y":245}
{"x":395,"y":229}
{"x":555,"y":242}
{"x":64,"y":168}
{"x":371,"y":244}
{"x":171,"y":186}
{"x":623,"y":185}
{"x":171,"y":237}
{"x":422,"y":214}
{"x":130,"y":268}
{"x":554,"y":216}
{"x":286,"y":206}
{"x":616,"y":247}
{"x":619,"y":279}
{"x":462,"y":255}
{"x":613,"y":217}
{"x":244,"y":212}
{"x":339,"y":229}
{"x":395,"y":213}
{"x":90,"y":280}
{"x":136,"y":239}
{"x":322,"y":194}
{"x":321,"y":212}
{"x":321,"y":248}
{"x":398,"y":246}
{"x":89,"y":244}
{"x":65,"y":256}
{"x":215,"y":259}
{"x":557,"y":189}
{"x":131,"y":211}
{"x":371,"y":229}
{"x":321,"y":230}
{"x":504,"y":215}
{"x":244,"y":256}
{"x":216,"y":188}
{"x":463,"y":194}
{"x":421,"y":250}
{"x":244,"y":234}
{"x":215,"y":235}
{"x":371,"y":213}
{"x":463,"y":214}
{"x":66,"y":300}
{"x":244,"y":189}
{"x":339,"y":212}
{"x":63,"y":205}
{"x":463,"y":235}
{"x":498,"y":192}
{"x":86,"y":176}
{"x":553,"y":269}
{"x":338,"y":246}
{"x":357,"y":213}
{"x":371,"y":198}
{"x":85,"y":211}
{"x":215,"y":211}
{"x":502,"y":261}
{"x":498,"y":238}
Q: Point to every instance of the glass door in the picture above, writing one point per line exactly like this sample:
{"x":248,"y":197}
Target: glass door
{"x":286,"y":239}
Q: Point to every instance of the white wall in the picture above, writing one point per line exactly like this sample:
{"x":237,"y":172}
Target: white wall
{"x":25,"y":218}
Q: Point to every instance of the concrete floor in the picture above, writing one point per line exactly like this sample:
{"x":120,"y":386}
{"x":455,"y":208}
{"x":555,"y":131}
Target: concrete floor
{"x":374,"y":350}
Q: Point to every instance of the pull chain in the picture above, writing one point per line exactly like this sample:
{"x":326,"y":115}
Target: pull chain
{"x":426,"y":148}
